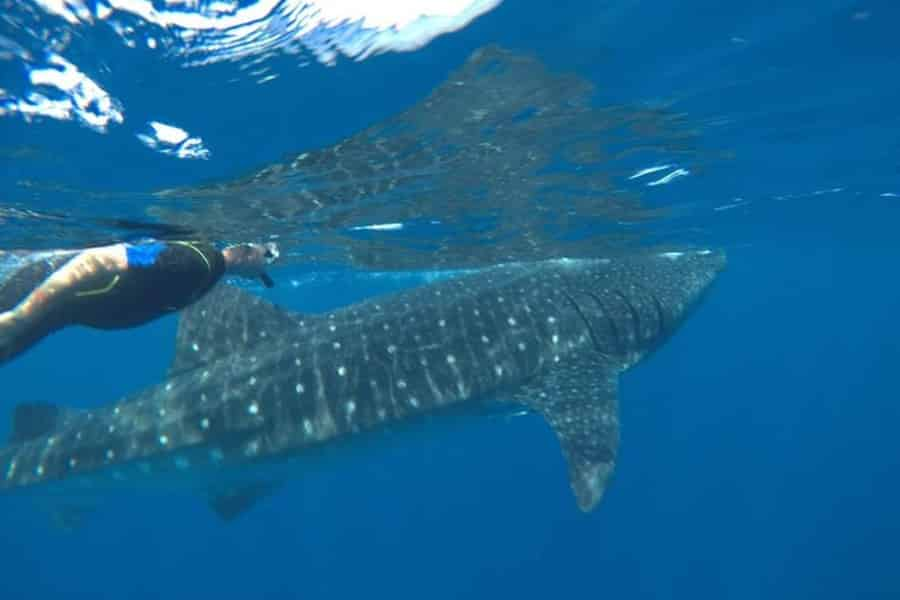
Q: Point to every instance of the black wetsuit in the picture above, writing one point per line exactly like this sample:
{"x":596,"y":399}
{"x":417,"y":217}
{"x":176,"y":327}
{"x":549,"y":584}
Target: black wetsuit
{"x":162,"y":277}
{"x":177,"y":275}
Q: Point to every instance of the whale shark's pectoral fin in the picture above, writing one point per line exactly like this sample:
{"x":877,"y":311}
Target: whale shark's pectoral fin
{"x":579,"y":402}
{"x":229,"y":503}
{"x":227,"y":319}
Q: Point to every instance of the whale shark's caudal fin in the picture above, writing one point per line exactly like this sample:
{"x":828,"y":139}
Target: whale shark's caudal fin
{"x":579,"y":402}
{"x":227,"y":320}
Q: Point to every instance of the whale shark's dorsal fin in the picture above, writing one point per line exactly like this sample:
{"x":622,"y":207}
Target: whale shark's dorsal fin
{"x":226,"y":320}
{"x":579,"y":401}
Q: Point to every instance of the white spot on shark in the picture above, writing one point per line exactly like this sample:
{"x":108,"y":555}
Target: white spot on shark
{"x":252,"y":448}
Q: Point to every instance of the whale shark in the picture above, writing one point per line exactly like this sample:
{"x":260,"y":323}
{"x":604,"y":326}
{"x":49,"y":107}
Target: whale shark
{"x":255,"y":393}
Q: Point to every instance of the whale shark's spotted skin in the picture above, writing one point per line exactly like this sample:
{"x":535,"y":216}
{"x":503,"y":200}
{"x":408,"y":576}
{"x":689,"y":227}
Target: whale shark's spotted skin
{"x":253,"y":385}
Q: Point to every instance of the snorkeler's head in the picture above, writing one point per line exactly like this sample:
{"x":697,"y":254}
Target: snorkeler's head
{"x":270,"y":252}
{"x":249,"y":260}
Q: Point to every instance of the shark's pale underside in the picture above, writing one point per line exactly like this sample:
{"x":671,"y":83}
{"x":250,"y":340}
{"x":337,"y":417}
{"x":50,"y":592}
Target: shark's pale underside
{"x":254,"y":390}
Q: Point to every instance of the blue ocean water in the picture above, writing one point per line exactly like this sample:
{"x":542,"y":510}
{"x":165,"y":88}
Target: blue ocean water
{"x":759,"y":454}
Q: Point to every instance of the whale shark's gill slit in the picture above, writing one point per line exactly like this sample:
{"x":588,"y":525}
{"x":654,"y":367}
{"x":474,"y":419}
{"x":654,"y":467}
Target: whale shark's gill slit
{"x":635,"y":316}
{"x":587,"y":323}
{"x":660,"y":314}
{"x":612,"y":323}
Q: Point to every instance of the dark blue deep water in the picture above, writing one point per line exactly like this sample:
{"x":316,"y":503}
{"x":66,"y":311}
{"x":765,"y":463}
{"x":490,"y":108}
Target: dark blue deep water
{"x":759,"y":453}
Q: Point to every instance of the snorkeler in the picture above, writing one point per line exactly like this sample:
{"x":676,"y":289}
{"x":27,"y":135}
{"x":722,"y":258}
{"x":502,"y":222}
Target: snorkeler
{"x":117,"y":286}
